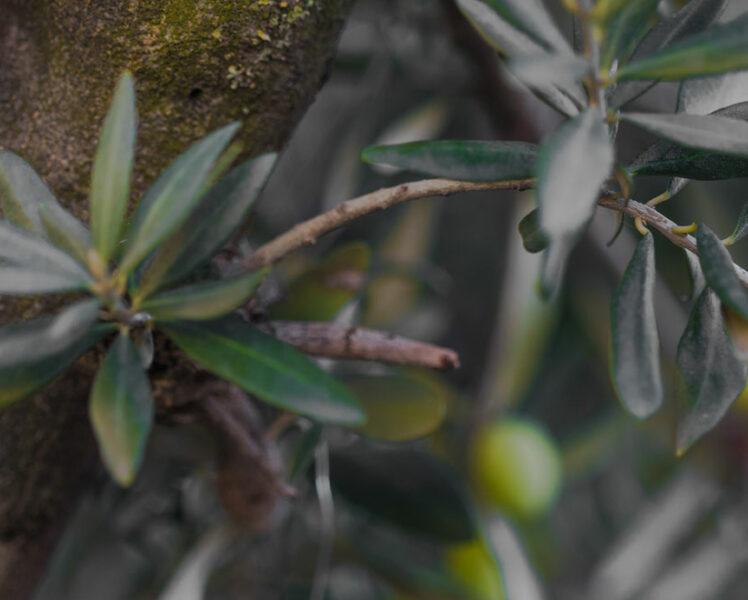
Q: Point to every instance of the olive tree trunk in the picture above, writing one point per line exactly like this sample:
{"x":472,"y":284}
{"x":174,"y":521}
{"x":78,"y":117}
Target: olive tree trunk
{"x":198,"y":65}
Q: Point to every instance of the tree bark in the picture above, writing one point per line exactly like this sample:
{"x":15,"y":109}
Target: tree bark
{"x":198,"y":65}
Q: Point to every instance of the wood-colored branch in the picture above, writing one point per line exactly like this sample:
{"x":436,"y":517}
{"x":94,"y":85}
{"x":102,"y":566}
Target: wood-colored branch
{"x":656,"y":220}
{"x":358,"y":343}
{"x":310,"y":231}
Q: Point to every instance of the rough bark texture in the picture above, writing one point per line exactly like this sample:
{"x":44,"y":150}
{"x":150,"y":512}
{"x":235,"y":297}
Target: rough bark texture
{"x":198,"y":64}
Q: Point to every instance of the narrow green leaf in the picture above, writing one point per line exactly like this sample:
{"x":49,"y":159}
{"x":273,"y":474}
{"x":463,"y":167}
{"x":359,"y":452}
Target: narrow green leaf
{"x":462,"y":160}
{"x":533,"y":239}
{"x":719,"y":271}
{"x":121,"y":410}
{"x":741,"y":227}
{"x":223,"y":210}
{"x":574,"y":164}
{"x":28,"y":203}
{"x":29,"y":251}
{"x":65,"y":231}
{"x":564,"y":71}
{"x":321,"y":293}
{"x":303,"y":454}
{"x":497,"y":30}
{"x":707,"y":132}
{"x":707,"y":95}
{"x":402,"y":407}
{"x":21,"y":192}
{"x":33,"y":353}
{"x":695,"y":273}
{"x":28,"y":281}
{"x":204,"y":300}
{"x":626,"y":30}
{"x":509,"y":40}
{"x":635,"y":357}
{"x":529,"y":16}
{"x":719,"y":49}
{"x":693,"y":18}
{"x":112,"y":168}
{"x":172,"y":198}
{"x":713,"y":371}
{"x":272,"y":370}
{"x":665,"y":157}
{"x":409,"y":488}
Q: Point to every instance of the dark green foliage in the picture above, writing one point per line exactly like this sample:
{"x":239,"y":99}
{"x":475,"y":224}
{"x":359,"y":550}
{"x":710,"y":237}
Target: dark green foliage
{"x":568,"y":188}
{"x":719,"y":271}
{"x":263,"y":366}
{"x":721,"y":48}
{"x":121,"y":409}
{"x":182,"y":221}
{"x":406,"y":487}
{"x":629,"y":47}
{"x":469,"y":161}
{"x":635,"y":357}
{"x":713,"y":372}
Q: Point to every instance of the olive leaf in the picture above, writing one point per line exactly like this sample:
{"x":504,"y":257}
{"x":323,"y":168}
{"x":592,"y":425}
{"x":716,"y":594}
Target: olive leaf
{"x":741,"y":227}
{"x":626,"y":29}
{"x":261,"y":365}
{"x":693,"y":18}
{"x":401,"y":407}
{"x":720,"y":48}
{"x":34,"y":352}
{"x":169,"y":202}
{"x":223,"y":210}
{"x":719,"y":271}
{"x":666,"y":157}
{"x":406,"y":487}
{"x":112,"y":168}
{"x":65,"y":231}
{"x":568,"y":188}
{"x":36,"y":266}
{"x":508,"y":39}
{"x":21,"y":192}
{"x":121,"y":410}
{"x":714,"y":133}
{"x":532,"y":18}
{"x":565,"y":71}
{"x":462,"y":160}
{"x":28,"y":203}
{"x":635,"y":357}
{"x":695,"y":273}
{"x":321,"y":293}
{"x":204,"y":300}
{"x":713,"y":371}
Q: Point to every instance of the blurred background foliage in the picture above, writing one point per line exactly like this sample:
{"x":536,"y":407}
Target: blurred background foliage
{"x":394,"y":510}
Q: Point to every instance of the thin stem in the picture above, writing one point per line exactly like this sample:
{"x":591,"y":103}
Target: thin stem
{"x":661,"y":223}
{"x":310,"y":231}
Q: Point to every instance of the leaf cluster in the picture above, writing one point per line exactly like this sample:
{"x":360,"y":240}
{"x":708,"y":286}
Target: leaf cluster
{"x":141,"y":274}
{"x":624,"y":49}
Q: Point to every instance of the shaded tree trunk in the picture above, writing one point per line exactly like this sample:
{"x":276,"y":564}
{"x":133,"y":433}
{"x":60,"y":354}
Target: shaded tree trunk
{"x":198,"y":65}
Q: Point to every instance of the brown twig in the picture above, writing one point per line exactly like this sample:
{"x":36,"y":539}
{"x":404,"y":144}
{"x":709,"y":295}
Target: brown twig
{"x":310,"y":231}
{"x":358,"y":343}
{"x":655,"y":219}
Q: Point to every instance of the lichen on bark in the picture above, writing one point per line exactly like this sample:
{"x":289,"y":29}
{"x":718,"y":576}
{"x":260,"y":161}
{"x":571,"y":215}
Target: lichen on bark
{"x":198,"y":65}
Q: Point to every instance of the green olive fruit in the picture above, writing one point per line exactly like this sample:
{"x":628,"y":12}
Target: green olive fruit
{"x":516,"y":467}
{"x":471,"y":565}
